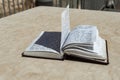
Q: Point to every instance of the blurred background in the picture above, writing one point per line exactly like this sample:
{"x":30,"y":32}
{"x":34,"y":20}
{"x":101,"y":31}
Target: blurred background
{"x":8,"y":7}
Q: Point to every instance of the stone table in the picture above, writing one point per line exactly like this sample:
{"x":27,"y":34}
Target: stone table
{"x":19,"y":30}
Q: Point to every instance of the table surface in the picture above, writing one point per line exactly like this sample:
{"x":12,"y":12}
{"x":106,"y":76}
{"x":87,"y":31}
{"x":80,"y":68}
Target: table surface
{"x":19,"y":30}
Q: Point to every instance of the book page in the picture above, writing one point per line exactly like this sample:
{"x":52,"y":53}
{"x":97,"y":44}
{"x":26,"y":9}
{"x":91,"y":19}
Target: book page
{"x":100,"y":47}
{"x":83,"y":34}
{"x":85,"y":40}
{"x":65,"y":25}
{"x":46,"y":42}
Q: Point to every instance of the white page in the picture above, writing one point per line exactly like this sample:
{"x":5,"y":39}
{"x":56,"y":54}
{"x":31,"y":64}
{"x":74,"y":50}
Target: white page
{"x":83,"y":34}
{"x":42,"y":46}
{"x":100,"y":47}
{"x":65,"y":19}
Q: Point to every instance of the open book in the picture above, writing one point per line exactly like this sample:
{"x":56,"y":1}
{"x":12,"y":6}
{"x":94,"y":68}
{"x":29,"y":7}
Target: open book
{"x":83,"y":41}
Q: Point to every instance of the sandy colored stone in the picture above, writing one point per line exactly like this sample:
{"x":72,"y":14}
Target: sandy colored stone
{"x":18,"y":5}
{"x":19,"y":30}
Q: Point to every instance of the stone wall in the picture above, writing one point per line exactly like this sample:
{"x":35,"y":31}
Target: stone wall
{"x":64,"y":3}
{"x":17,"y":5}
{"x":26,"y":4}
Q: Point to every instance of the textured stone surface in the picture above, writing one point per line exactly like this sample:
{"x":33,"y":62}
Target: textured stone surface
{"x":18,"y":5}
{"x":17,"y":32}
